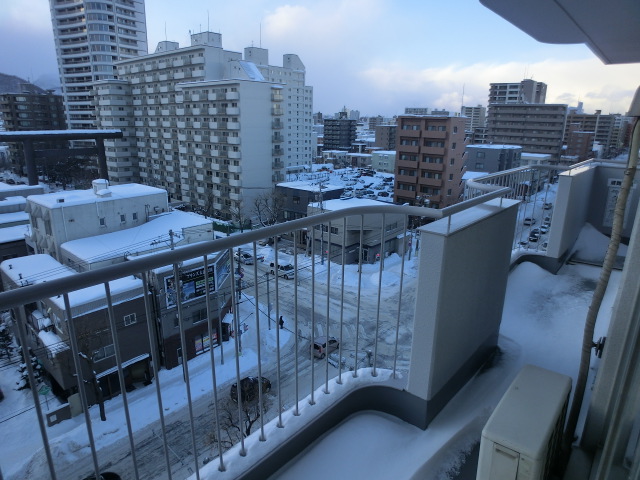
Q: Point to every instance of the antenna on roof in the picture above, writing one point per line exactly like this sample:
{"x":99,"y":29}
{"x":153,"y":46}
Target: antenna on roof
{"x":165,"y":31}
{"x":462,"y":102}
{"x":208,"y":20}
{"x":260,"y":35}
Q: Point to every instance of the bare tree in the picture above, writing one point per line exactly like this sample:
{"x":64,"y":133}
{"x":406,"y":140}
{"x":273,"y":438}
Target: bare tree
{"x":268,"y":208}
{"x":232,"y":428}
{"x":240,"y":218}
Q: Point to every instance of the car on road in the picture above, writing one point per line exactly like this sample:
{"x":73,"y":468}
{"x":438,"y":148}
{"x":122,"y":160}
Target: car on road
{"x":529,"y":221}
{"x":249,"y":388}
{"x":323,"y":346}
{"x":285,"y":270}
{"x":245,"y":258}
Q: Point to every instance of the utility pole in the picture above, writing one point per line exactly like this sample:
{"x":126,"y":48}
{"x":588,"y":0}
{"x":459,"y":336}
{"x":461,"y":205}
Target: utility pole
{"x":268,"y":302}
{"x":320,"y":185}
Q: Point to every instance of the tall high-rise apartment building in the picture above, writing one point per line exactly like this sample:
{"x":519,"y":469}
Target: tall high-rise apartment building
{"x":24,"y":106}
{"x":429,"y":160}
{"x":608,"y":130}
{"x":339,"y":133}
{"x":476,"y":117}
{"x":386,"y":137}
{"x":89,"y":37}
{"x":526,"y":91}
{"x":537,"y":128}
{"x":211,"y":126}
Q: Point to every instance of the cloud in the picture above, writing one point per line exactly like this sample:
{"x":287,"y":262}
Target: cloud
{"x":605,"y":87}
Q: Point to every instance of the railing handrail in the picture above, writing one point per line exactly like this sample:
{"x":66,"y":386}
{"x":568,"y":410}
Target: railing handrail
{"x":58,"y":286}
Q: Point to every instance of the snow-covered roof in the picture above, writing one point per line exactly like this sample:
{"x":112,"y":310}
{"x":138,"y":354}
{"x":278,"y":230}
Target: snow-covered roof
{"x":310,"y":186}
{"x":52,"y":342}
{"x":384,"y":152}
{"x":536,"y":155}
{"x":79,"y":197}
{"x":33,"y":269}
{"x":14,"y":217}
{"x":339,"y":204}
{"x":5,"y":187}
{"x":251,"y":70}
{"x":136,"y":239}
{"x":471,"y":175}
{"x":14,"y":200}
{"x":96,"y":293}
{"x":12,"y":234}
{"x":494,"y":146}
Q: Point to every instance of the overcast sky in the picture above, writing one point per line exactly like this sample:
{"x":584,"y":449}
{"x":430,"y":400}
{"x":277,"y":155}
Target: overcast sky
{"x":376,"y":56}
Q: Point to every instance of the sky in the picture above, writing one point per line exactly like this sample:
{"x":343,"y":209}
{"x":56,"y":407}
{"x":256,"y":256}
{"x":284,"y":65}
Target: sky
{"x":375,"y":56}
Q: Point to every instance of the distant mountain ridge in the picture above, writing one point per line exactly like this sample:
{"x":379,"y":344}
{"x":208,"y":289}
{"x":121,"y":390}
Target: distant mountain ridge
{"x":13,"y":84}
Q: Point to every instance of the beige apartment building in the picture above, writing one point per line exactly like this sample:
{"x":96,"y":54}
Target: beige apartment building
{"x":429,"y":160}
{"x":213,"y":127}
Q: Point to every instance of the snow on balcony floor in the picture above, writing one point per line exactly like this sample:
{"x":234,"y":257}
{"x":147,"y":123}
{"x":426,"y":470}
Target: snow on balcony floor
{"x":542,"y":324}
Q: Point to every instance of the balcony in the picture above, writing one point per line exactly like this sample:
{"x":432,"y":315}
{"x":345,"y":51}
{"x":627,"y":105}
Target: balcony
{"x":390,"y":357}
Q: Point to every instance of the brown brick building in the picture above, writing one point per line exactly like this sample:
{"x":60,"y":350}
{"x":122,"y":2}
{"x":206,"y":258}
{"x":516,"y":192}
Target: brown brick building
{"x":429,"y":160}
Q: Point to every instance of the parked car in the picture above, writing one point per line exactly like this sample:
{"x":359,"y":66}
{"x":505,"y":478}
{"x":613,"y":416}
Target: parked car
{"x":547,"y":206}
{"x":534,"y":237}
{"x":529,"y":221}
{"x":245,"y":257}
{"x":285,"y":270}
{"x":323,"y":346}
{"x":544,"y":228}
{"x":249,"y":388}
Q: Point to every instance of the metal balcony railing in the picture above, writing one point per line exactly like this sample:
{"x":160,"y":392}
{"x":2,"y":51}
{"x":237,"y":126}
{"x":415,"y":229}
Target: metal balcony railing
{"x":313,"y":295}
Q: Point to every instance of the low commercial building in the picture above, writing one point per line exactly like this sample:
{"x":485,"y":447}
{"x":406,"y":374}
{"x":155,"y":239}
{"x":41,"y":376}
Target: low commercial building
{"x":492,"y":158}
{"x":171,"y":230}
{"x":328,"y":239}
{"x":48,"y":332}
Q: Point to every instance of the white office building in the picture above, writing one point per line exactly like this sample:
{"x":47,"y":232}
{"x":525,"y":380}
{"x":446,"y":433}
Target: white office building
{"x":67,"y":215}
{"x":89,"y":37}
{"x":211,"y":126}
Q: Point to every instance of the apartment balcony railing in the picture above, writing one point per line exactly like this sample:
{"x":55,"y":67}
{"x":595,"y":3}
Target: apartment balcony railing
{"x":314,"y":303}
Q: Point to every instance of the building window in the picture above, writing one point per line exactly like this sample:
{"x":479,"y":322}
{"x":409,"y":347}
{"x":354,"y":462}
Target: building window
{"x":296,"y":200}
{"x":103,"y":222}
{"x":134,"y":216}
{"x":455,"y":129}
{"x":104,"y":352}
{"x":479,"y":154}
{"x":449,"y":192}
{"x":123,"y":218}
{"x":199,"y":315}
{"x":451,"y":176}
{"x":453,"y":146}
{"x":129,"y":319}
{"x":480,"y":165}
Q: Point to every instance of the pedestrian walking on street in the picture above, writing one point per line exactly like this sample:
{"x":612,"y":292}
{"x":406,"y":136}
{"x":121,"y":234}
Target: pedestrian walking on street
{"x":281,"y":322}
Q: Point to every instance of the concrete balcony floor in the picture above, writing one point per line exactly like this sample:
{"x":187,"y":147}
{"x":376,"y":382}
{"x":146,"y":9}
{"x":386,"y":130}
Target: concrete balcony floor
{"x":542,"y":325}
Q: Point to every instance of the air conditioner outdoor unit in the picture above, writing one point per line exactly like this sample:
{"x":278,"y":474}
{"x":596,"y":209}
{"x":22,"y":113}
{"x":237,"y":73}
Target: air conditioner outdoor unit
{"x":522,"y":438}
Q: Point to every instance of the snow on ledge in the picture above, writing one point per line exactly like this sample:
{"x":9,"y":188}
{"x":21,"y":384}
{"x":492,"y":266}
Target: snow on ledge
{"x":236,"y":465}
